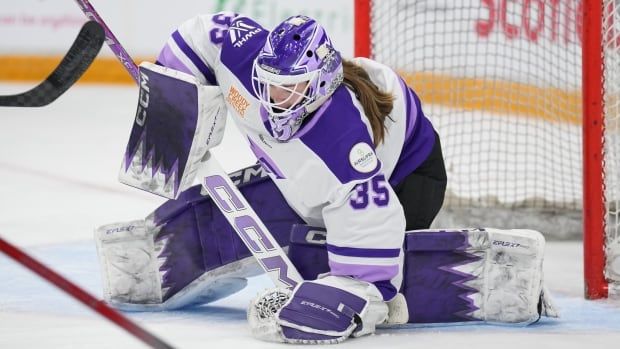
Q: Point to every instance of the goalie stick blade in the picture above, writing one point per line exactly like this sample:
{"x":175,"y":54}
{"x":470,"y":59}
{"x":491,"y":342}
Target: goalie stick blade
{"x":79,"y":57}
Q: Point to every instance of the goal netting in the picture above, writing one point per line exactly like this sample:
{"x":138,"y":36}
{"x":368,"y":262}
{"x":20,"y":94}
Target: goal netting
{"x":501,"y":81}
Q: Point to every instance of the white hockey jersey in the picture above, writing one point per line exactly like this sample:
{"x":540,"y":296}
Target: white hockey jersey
{"x":330,"y":172}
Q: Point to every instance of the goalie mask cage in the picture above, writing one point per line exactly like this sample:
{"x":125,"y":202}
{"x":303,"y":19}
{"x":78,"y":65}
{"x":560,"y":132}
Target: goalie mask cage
{"x":530,"y":131}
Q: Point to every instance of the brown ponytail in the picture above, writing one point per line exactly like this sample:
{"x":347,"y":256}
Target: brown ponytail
{"x":377,"y":104}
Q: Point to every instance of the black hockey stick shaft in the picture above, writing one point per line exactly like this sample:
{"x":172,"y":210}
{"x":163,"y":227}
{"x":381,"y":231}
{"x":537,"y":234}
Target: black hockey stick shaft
{"x":79,"y":57}
{"x":78,"y":293}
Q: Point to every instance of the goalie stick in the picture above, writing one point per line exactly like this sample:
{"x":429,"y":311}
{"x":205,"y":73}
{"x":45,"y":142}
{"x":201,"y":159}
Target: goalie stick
{"x":247,"y":224}
{"x":224,"y":193}
{"x":79,"y":57}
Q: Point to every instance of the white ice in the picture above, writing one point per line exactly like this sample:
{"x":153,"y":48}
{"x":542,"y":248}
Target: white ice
{"x":58,"y":168}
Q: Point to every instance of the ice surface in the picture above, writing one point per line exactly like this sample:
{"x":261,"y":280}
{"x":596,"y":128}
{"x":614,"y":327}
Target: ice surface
{"x":58,"y":169}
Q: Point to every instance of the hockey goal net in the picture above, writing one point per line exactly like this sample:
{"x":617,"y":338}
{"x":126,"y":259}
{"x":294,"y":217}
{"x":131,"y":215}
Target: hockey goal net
{"x":530,"y":134}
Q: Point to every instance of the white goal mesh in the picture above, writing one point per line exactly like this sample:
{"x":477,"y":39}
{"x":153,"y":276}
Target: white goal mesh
{"x":501,"y":82}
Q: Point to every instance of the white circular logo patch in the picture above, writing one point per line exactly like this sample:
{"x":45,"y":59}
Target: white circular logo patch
{"x":363,"y":158}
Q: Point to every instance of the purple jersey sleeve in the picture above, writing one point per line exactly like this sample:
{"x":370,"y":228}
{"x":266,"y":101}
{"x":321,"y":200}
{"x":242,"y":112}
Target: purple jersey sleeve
{"x":337,"y":134}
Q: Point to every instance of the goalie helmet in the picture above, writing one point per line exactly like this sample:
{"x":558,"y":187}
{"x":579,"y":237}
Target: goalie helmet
{"x":300,"y":65}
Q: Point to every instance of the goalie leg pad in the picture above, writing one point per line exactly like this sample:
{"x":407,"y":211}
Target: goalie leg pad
{"x":465,"y":275}
{"x":133,"y":279}
{"x":128,"y":263}
{"x":328,"y":310}
{"x":453,"y":276}
{"x":194,"y":256}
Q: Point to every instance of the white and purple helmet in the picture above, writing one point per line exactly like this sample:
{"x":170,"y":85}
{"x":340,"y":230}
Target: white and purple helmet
{"x":297,"y":51}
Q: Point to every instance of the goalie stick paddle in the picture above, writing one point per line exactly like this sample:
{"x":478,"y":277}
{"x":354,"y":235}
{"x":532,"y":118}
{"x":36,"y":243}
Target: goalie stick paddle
{"x":78,"y":293}
{"x":79,"y":57}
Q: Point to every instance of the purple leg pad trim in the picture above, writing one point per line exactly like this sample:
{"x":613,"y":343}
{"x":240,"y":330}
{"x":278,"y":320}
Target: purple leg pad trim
{"x":199,"y":238}
{"x":432,"y":286}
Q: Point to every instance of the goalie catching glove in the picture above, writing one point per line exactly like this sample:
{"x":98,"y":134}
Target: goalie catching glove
{"x":324,"y":311}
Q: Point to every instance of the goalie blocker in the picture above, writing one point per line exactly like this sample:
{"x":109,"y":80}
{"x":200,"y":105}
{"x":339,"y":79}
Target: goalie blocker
{"x":185,"y":253}
{"x":177,"y":121}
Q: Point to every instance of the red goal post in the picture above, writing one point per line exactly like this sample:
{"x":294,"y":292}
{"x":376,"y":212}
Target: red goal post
{"x":525,"y":94}
{"x":594,"y":208}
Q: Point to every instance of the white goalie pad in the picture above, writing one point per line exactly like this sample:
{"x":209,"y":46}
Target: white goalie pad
{"x":510,"y":276}
{"x":177,"y":121}
{"x":130,"y":260}
{"x":129,"y":267}
{"x":479,"y":274}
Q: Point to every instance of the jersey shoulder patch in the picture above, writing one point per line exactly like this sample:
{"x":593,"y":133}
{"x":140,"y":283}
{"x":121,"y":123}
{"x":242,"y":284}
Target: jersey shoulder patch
{"x":362,"y":158}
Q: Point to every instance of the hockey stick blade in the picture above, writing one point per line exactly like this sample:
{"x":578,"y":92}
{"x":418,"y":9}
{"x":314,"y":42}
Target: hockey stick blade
{"x":79,"y":57}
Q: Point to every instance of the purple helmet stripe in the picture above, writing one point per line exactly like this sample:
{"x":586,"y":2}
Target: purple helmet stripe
{"x":304,"y":63}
